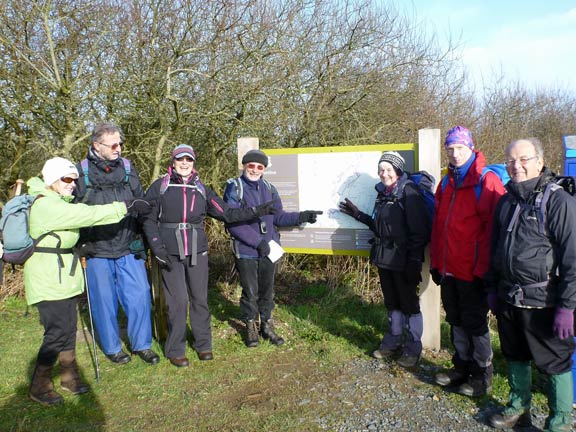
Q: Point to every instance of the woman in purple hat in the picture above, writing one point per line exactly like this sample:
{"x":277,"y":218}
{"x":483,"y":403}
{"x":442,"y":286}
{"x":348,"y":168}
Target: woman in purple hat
{"x":175,"y":233}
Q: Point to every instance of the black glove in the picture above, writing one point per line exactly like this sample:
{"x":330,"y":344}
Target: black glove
{"x":264,"y":209}
{"x":163,"y":259}
{"x":263,"y":248}
{"x":413,"y":272}
{"x":308,"y":216}
{"x":436,"y":276}
{"x":138,"y":207}
{"x":137,"y":249}
{"x":349,"y":208}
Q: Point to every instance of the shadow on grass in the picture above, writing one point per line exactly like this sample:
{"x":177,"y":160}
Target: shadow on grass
{"x":77,"y":413}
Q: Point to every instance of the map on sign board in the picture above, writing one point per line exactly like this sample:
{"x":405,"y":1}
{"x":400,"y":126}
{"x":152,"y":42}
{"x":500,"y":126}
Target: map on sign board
{"x":318,"y":179}
{"x":336,"y":176}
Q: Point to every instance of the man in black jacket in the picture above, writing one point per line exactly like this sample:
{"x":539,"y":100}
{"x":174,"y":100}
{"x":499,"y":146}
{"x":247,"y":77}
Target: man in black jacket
{"x":114,"y":270}
{"x":532,"y":285}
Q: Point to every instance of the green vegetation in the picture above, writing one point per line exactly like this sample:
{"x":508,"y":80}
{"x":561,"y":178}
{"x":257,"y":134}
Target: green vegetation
{"x":241,"y":390}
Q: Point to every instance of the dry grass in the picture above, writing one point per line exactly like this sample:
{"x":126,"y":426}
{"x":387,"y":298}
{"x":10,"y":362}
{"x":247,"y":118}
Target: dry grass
{"x":12,"y":283}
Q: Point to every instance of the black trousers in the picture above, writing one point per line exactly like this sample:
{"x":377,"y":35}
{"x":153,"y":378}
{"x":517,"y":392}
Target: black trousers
{"x":186,"y":291}
{"x":59,"y":319}
{"x":527,"y":334}
{"x":257,"y":282}
{"x":399,"y":294}
{"x":466,"y":305}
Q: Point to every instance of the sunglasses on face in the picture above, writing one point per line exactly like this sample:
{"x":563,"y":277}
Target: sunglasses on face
{"x":255,"y":166}
{"x":112,"y":146}
{"x":185,"y":158}
{"x":67,"y":180}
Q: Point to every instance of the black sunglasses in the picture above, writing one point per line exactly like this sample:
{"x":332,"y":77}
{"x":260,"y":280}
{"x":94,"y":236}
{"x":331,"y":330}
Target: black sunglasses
{"x":67,"y":180}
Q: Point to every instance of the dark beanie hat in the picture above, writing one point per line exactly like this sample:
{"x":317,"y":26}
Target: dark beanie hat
{"x":394,"y":159}
{"x":257,"y":156}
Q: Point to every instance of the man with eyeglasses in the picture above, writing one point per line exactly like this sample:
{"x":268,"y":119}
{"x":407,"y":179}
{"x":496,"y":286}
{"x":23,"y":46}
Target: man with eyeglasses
{"x":251,"y":245}
{"x":532,"y":286}
{"x":114,"y":268}
{"x":460,"y":257}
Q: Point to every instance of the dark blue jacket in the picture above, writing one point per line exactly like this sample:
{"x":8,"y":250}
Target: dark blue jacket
{"x":248,"y":235}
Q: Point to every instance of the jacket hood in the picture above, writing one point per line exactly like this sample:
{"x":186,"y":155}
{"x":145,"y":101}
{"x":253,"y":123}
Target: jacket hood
{"x":36,"y":186}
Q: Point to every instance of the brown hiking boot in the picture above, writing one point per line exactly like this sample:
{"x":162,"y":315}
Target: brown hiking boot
{"x":69,"y":377}
{"x":41,"y":388}
{"x":252,"y":339}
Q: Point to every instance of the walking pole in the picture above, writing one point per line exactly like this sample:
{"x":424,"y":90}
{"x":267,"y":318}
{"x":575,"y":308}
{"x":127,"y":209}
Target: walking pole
{"x":97,"y":366}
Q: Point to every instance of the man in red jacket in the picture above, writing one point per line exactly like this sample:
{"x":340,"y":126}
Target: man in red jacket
{"x":459,"y":258}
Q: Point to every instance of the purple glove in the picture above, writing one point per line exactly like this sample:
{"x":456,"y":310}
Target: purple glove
{"x":564,"y":323}
{"x":493,"y":302}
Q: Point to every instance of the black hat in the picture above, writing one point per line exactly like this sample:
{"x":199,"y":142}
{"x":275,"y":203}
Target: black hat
{"x":255,"y":156}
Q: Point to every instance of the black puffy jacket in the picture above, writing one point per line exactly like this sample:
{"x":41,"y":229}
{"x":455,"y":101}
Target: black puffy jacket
{"x":107,"y":183}
{"x":401,"y":225}
{"x":530,"y":268}
{"x":179,"y":211}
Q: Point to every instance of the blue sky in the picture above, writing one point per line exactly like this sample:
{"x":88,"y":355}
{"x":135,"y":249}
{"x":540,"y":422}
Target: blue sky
{"x":533,"y":41}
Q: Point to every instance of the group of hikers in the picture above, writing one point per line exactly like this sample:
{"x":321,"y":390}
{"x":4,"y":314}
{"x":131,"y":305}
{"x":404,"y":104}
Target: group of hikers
{"x":508,"y":248}
{"x":98,"y":210}
{"x":504,"y":248}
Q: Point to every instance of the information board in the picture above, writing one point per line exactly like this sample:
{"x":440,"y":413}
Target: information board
{"x":318,"y":178}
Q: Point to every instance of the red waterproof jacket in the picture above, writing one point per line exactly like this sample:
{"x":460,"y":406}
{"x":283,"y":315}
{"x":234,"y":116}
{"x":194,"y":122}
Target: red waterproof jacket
{"x":460,"y":243}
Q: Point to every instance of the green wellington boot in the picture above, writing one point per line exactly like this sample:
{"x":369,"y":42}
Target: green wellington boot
{"x":560,"y":403}
{"x":517,"y":412}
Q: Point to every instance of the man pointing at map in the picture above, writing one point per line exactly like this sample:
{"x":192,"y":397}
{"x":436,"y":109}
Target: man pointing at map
{"x":252,"y":243}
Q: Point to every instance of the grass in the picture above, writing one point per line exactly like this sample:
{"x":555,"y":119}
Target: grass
{"x":241,"y":390}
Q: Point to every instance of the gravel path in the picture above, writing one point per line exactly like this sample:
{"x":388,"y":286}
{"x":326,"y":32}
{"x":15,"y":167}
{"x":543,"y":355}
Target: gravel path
{"x":380,"y":396}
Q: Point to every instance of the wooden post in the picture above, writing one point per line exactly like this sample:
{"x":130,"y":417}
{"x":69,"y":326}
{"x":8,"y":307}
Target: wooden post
{"x":429,"y":159}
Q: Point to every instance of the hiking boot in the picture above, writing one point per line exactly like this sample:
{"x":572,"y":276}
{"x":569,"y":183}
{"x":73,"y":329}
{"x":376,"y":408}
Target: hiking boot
{"x":69,"y":377}
{"x":475,"y":387}
{"x":508,"y":421}
{"x":267,"y":332}
{"x":451,"y":378}
{"x":408,"y":361}
{"x":42,"y":389}
{"x":251,"y":334}
{"x":385,"y":353}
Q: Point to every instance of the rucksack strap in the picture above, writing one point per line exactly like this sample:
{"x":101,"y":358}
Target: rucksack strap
{"x":542,"y":203}
{"x":125,"y":162}
{"x":179,"y":228}
{"x":477,"y":187}
{"x":59,"y":252}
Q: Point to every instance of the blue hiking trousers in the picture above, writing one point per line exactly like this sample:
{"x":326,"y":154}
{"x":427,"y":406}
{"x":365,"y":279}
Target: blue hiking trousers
{"x":113,"y":280}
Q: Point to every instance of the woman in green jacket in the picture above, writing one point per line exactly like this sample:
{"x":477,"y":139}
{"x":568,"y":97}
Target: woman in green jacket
{"x":52,"y":275}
